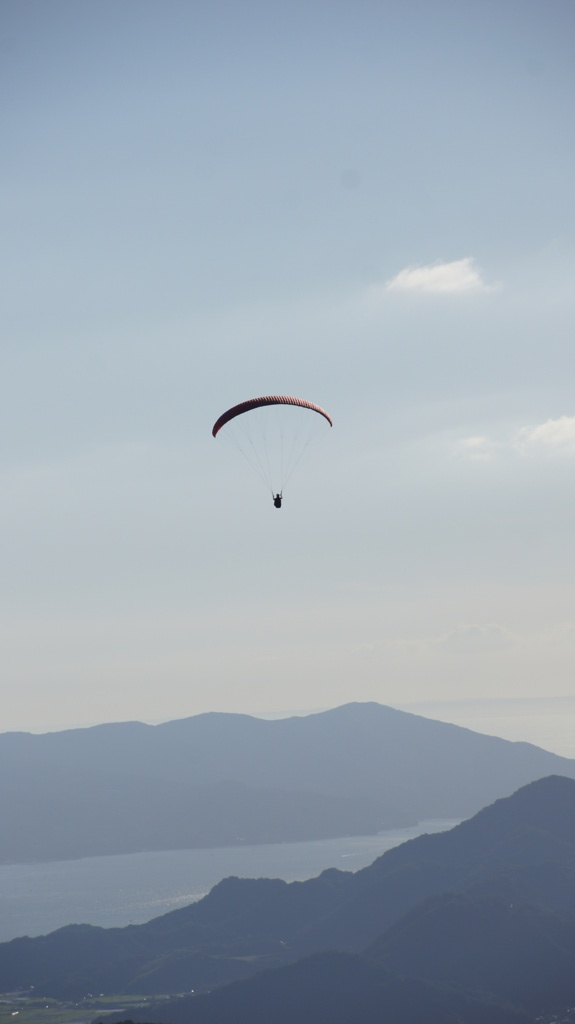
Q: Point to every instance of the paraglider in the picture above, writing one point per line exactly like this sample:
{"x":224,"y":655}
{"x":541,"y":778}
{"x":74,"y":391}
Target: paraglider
{"x":272,"y":433}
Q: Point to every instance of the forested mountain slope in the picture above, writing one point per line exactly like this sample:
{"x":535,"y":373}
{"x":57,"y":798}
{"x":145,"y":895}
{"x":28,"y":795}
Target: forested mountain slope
{"x":522,"y":848}
{"x":491,"y":947}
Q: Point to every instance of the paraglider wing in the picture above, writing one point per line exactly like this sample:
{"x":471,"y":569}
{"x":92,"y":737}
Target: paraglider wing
{"x":258,"y":403}
{"x":272,"y":433}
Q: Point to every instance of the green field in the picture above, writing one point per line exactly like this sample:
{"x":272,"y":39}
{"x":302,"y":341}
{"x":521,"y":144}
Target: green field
{"x":16,"y":1009}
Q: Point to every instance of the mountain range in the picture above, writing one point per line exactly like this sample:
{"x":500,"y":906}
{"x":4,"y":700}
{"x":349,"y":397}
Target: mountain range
{"x":474,"y":925}
{"x":225,"y":779}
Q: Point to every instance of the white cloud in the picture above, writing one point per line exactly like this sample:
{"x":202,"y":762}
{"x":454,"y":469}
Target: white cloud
{"x":558,"y":435}
{"x":476,"y":449}
{"x":553,"y":436}
{"x":439,"y":278}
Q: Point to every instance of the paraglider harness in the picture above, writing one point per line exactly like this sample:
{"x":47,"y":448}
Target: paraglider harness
{"x":278,"y":500}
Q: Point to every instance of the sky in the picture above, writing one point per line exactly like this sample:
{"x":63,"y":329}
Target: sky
{"x":363,"y":203}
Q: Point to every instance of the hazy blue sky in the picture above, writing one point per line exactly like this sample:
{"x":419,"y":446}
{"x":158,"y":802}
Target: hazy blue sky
{"x":363,"y":202}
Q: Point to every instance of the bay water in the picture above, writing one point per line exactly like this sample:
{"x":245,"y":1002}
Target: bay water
{"x":133,"y":888}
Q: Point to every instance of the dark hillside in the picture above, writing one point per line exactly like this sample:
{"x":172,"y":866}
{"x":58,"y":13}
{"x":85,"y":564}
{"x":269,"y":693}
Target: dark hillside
{"x":535,"y":827}
{"x":514,"y":950}
{"x":475,"y":957}
{"x":333,"y":988}
{"x":246,"y":925}
{"x":452,"y":959}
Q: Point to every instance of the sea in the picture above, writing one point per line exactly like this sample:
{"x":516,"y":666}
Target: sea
{"x":133,"y":888}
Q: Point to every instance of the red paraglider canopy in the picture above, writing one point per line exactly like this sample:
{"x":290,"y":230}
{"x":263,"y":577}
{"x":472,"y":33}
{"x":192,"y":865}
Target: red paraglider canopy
{"x":257,"y":403}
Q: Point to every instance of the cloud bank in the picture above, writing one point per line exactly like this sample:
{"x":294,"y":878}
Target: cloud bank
{"x":551,"y":437}
{"x":556,"y":434}
{"x":439,"y":278}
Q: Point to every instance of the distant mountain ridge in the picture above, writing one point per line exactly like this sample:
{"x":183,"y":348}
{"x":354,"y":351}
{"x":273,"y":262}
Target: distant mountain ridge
{"x":221,"y":779}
